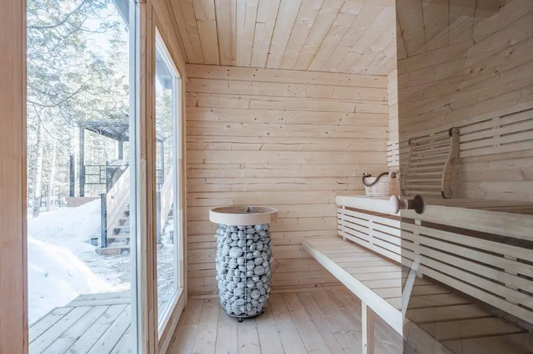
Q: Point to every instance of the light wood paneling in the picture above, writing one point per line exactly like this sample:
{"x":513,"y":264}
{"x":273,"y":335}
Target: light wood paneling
{"x":13,"y":278}
{"x":352,"y":36}
{"x":466,"y":64}
{"x":281,"y":138}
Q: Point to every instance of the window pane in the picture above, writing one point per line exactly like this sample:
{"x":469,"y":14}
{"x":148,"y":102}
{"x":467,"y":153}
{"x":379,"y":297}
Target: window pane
{"x":80,"y":172}
{"x":166,"y":176}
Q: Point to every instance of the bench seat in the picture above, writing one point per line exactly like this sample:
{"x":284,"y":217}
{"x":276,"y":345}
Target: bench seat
{"x":435,"y":318}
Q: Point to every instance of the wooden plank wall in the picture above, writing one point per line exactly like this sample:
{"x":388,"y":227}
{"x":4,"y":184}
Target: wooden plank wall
{"x":470,"y":68}
{"x":283,"y":138}
{"x":13,"y":265}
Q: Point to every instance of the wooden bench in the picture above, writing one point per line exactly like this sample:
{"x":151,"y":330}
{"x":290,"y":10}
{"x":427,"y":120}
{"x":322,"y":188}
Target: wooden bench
{"x":439,"y":279}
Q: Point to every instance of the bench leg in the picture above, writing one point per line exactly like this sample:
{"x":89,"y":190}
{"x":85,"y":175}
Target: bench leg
{"x":368,"y":317}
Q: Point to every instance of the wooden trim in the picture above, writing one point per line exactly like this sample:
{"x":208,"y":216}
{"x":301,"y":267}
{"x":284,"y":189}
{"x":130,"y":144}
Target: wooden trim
{"x":368,"y":318}
{"x":180,"y":209}
{"x":13,"y":241}
{"x":146,"y":215}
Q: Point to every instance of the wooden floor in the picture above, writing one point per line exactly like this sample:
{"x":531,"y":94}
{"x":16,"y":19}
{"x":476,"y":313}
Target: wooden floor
{"x":318,"y":321}
{"x":90,"y":324}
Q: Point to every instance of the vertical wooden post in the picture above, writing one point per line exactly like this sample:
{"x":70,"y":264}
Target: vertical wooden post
{"x":72,"y":176}
{"x":103,"y":222}
{"x":162,"y":156}
{"x":81,"y":162}
{"x":120,"y":148}
{"x":145,"y":176}
{"x":13,"y":180}
{"x":367,"y":318}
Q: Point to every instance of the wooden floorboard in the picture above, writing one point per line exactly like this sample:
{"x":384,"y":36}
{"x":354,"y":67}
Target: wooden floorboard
{"x":304,"y":322}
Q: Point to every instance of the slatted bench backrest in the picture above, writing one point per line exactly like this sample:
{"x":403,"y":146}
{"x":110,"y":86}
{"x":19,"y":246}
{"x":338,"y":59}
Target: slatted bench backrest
{"x":495,"y":134}
{"x":430,"y":164}
{"x":484,"y":254}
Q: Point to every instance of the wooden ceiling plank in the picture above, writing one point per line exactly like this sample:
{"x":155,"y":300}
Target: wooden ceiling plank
{"x":357,"y":29}
{"x":400,"y":49}
{"x":344,"y":20}
{"x":304,"y":22}
{"x":436,"y":17}
{"x":282,"y":31}
{"x":246,"y":17}
{"x":182,"y":32}
{"x":325,"y":19}
{"x":380,"y":52}
{"x":462,"y":8}
{"x":264,"y":28}
{"x":226,"y":22}
{"x":487,"y":8}
{"x":186,"y":9}
{"x":375,"y":39}
{"x":412,"y":24}
{"x":204,"y":11}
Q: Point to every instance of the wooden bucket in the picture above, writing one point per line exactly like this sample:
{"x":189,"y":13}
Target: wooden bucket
{"x":384,"y":185}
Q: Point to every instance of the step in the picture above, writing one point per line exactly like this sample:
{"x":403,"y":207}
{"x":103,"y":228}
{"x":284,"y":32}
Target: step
{"x":119,"y":237}
{"x":113,"y":250}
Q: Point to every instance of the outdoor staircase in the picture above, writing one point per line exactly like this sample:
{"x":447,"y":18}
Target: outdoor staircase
{"x":118,"y":242}
{"x":115,"y":221}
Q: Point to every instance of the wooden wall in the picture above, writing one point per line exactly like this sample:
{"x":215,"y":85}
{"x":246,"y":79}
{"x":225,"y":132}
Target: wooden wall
{"x":472,"y":67}
{"x":13,"y":284}
{"x":292,"y":140}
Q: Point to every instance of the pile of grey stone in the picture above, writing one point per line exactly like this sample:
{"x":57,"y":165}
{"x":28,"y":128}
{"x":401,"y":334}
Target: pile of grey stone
{"x":244,"y":268}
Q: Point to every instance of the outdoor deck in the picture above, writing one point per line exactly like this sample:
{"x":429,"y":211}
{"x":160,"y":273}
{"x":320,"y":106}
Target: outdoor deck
{"x":90,"y":324}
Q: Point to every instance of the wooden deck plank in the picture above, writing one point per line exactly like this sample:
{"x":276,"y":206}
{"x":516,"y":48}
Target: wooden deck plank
{"x":124,"y":345}
{"x":98,"y":302}
{"x":91,"y":336}
{"x":72,"y":334}
{"x":46,"y":322}
{"x":113,"y":334}
{"x":50,"y":335}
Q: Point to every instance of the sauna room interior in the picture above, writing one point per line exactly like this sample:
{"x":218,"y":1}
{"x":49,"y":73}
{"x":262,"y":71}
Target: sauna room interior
{"x":288,"y":105}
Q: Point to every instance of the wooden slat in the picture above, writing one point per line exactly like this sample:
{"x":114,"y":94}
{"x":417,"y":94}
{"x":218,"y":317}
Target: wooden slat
{"x":264,"y":27}
{"x":246,"y":16}
{"x":287,"y":13}
{"x":304,"y":22}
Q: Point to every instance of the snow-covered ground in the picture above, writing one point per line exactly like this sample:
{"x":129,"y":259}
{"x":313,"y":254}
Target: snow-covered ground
{"x":62,"y":264}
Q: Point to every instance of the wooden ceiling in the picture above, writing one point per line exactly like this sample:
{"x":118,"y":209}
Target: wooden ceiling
{"x":428,"y":25}
{"x":355,"y":36}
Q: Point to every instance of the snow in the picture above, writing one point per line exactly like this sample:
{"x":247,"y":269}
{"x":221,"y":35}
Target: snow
{"x":63,"y":264}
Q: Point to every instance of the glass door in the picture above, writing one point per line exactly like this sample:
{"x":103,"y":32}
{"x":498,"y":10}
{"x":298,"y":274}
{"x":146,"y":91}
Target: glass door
{"x":82,"y":176}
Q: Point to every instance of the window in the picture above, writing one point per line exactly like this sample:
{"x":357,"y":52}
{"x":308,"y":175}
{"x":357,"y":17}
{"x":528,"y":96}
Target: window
{"x":168,"y":151}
